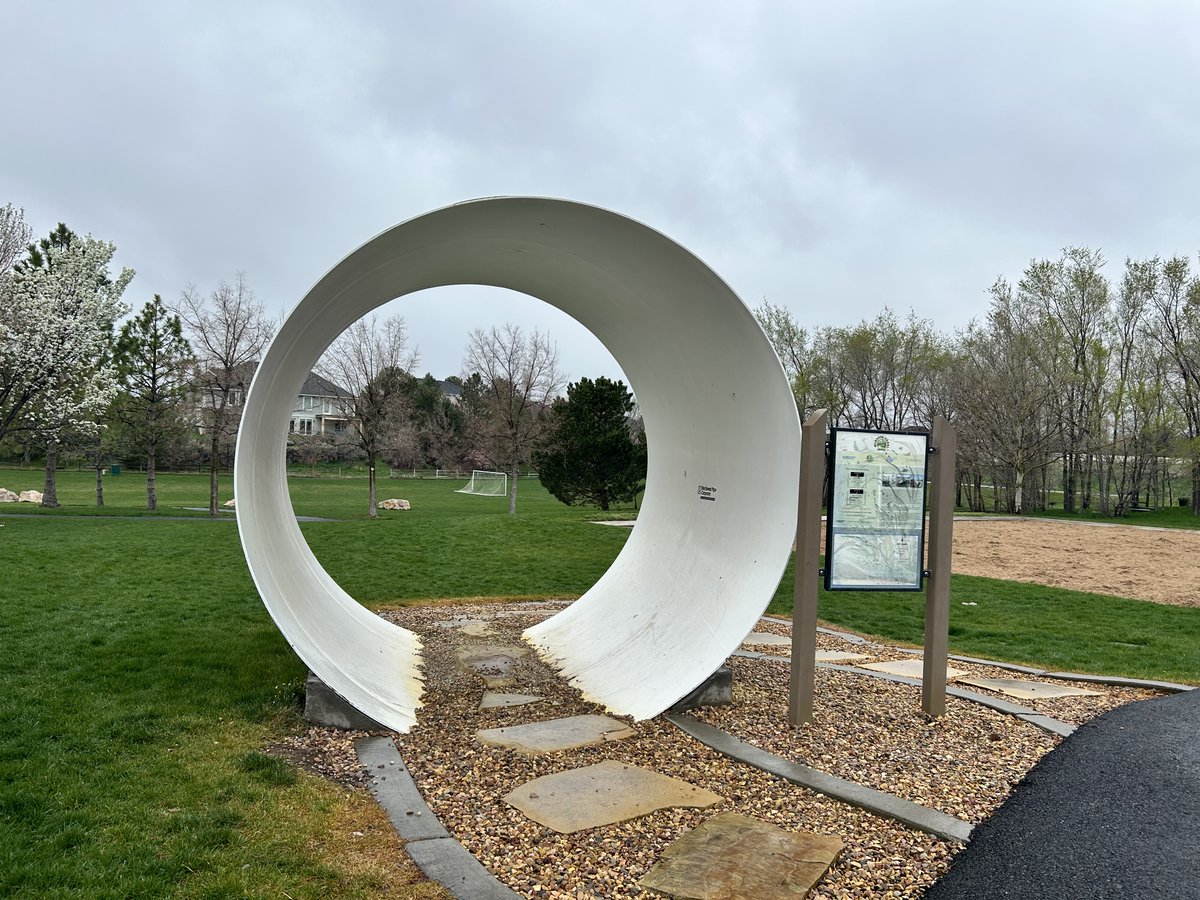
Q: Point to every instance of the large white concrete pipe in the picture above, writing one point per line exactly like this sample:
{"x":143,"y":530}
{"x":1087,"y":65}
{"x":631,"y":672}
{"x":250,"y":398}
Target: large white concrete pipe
{"x":719,"y":514}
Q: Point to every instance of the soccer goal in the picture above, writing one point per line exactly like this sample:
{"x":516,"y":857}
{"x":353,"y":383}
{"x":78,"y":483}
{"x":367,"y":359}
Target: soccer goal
{"x":486,"y":484}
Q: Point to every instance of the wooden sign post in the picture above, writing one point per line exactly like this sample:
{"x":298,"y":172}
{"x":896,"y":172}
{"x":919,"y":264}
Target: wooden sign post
{"x":880,"y":523}
{"x":941,"y":552}
{"x":808,"y":568}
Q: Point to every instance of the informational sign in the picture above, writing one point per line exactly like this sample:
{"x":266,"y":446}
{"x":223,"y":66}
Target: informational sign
{"x":875,"y":532}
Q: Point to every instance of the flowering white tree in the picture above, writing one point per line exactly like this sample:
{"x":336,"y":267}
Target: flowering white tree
{"x":56,"y":371}
{"x":15,"y":236}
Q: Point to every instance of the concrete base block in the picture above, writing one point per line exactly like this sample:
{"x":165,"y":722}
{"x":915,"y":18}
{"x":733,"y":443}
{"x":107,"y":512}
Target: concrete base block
{"x":324,"y":706}
{"x":716,"y":690}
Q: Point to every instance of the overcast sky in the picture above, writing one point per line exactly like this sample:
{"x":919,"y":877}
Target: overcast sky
{"x":834,"y":158}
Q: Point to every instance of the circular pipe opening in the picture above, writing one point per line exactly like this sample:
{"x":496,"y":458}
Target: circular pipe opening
{"x":719,"y":513}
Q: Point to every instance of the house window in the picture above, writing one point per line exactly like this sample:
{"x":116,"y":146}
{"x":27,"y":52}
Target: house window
{"x":339,"y":427}
{"x":292,"y":427}
{"x":327,"y":406}
{"x":304,"y":426}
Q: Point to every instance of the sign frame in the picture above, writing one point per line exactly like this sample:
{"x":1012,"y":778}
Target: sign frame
{"x":862,"y":520}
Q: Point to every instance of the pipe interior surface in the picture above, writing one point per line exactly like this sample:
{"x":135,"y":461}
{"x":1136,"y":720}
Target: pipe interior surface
{"x":719,"y":513}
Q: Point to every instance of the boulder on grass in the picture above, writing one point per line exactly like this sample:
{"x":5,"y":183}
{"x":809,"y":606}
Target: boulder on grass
{"x":31,"y":496}
{"x":395,"y":504}
{"x":7,"y":496}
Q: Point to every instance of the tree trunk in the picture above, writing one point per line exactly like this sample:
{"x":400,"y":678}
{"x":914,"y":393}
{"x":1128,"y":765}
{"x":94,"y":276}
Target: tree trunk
{"x":99,"y":465}
{"x":49,"y":486}
{"x":1069,"y":472}
{"x":1086,"y":482}
{"x":151,"y":466}
{"x":1018,"y":486}
{"x":1196,"y":487}
{"x":512,"y":487}
{"x":1107,"y":477}
{"x":214,"y":450}
{"x":372,"y":512}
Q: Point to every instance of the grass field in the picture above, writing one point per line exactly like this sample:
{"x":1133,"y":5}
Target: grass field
{"x":141,"y":677}
{"x":1047,"y":627}
{"x":1168,"y":517}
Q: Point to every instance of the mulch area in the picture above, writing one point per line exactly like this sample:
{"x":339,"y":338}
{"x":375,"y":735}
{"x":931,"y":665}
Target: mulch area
{"x":867,"y":730}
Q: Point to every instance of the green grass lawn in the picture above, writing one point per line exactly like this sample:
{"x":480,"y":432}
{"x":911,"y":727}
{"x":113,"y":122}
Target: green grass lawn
{"x":1168,"y":517}
{"x":124,"y":494}
{"x":1048,"y":627}
{"x":141,"y":677}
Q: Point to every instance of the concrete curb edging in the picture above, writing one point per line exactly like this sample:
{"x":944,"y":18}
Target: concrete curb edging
{"x":426,"y":840}
{"x":1114,"y":681}
{"x":904,"y":811}
{"x":1032,"y":716}
{"x":1117,"y":681}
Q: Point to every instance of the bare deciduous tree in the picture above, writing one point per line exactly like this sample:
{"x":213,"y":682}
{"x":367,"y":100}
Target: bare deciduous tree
{"x":373,"y":362}
{"x":229,"y":332}
{"x":1004,"y":396}
{"x":1177,"y":308}
{"x":519,"y":377}
{"x":1073,"y":297}
{"x":790,"y":341}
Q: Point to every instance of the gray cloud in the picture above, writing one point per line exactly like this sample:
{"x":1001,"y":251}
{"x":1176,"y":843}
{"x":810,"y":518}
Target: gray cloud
{"x":831,"y":157}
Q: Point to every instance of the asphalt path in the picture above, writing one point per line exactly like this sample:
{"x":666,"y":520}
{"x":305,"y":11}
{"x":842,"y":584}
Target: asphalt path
{"x":1112,"y":812}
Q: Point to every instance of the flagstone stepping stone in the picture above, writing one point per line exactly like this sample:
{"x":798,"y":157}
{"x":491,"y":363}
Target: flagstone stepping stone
{"x":732,"y":855}
{"x":602,"y":794}
{"x":495,"y":664}
{"x":553,"y":735}
{"x":1028,"y":690}
{"x":476,"y":628}
{"x":839,"y":656}
{"x":909,"y":668}
{"x":497,"y":701}
{"x":469,"y":627}
{"x":509,"y":613}
{"x":766,"y":639}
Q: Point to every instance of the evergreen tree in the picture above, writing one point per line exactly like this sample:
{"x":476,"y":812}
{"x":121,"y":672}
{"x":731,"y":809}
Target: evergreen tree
{"x":589,"y":454}
{"x":152,"y":366}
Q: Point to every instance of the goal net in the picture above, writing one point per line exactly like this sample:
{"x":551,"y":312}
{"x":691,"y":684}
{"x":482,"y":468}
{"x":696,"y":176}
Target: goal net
{"x":486,"y":484}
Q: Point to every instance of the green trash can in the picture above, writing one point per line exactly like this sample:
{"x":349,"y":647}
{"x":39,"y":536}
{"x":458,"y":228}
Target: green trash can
{"x":116,"y":470}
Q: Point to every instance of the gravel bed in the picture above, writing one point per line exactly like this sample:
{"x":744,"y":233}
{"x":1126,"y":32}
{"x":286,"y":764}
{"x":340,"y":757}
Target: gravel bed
{"x":1073,"y":710}
{"x":867,"y":730}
